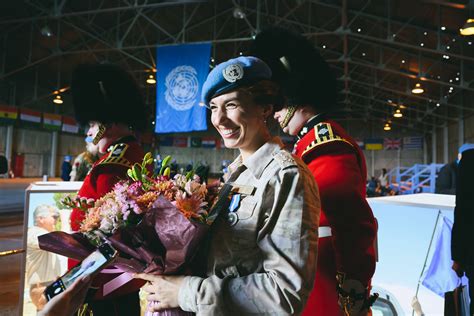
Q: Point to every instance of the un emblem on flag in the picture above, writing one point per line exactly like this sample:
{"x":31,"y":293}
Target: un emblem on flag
{"x":181,"y":88}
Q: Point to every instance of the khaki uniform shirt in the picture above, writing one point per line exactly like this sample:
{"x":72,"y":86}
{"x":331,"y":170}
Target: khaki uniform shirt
{"x":265,"y":263}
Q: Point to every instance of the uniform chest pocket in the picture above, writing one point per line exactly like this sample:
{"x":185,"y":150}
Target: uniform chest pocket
{"x":246,"y":208}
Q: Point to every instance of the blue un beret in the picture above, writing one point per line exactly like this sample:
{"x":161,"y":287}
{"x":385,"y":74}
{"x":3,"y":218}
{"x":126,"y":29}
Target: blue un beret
{"x":465,"y":147}
{"x":234,"y":73}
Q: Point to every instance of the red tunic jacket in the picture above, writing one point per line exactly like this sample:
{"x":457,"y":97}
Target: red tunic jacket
{"x":338,"y":166}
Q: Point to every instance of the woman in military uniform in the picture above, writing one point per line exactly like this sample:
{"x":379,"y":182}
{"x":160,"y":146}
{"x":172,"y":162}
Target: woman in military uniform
{"x":347,"y":229}
{"x":263,"y":247}
{"x":107,"y":99}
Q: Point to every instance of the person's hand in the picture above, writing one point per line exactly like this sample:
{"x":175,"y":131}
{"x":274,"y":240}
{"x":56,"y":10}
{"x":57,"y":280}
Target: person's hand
{"x":162,"y":290}
{"x":458,"y":268}
{"x":415,"y":304}
{"x":37,"y":296}
{"x":69,"y":301}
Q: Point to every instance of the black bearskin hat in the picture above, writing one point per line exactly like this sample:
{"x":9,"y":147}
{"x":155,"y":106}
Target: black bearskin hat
{"x":297,"y":66}
{"x":107,"y":94}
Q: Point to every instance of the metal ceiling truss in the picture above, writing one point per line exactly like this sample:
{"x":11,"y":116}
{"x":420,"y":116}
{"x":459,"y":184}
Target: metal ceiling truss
{"x":375,"y":72}
{"x":392,"y":122}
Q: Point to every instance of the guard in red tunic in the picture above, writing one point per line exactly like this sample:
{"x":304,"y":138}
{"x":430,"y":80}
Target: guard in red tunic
{"x":107,"y":99}
{"x":347,"y":229}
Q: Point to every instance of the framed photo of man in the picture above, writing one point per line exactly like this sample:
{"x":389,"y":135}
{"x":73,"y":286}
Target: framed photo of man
{"x":44,"y":213}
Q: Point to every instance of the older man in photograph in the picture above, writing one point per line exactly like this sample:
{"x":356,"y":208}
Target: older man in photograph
{"x":42,"y":267}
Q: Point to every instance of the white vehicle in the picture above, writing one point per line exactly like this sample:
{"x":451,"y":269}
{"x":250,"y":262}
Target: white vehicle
{"x":406,"y":226}
{"x":386,"y":304}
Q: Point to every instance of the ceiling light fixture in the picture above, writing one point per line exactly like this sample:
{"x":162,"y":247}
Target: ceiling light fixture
{"x":58,"y":99}
{"x":387,"y":127}
{"x":398,"y":113}
{"x":468,"y":28}
{"x":151,"y":80}
{"x":417,"y":89}
{"x":238,"y":13}
{"x":46,"y":31}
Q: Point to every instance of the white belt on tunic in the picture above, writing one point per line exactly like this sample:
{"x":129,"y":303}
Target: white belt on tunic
{"x":324,"y":231}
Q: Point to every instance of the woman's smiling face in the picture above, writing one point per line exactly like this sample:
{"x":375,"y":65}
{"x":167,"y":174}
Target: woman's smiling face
{"x":239,"y":120}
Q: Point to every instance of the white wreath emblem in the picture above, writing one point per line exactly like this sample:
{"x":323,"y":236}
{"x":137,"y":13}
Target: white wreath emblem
{"x":181,"y":88}
{"x":232,"y":73}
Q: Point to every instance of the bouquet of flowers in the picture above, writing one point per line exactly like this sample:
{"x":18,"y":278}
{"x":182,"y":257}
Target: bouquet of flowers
{"x":156,"y":223}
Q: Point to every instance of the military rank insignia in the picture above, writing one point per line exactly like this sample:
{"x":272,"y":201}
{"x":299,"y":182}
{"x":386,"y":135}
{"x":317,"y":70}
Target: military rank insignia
{"x":323,"y":134}
{"x":118,"y":150}
{"x":116,"y":154}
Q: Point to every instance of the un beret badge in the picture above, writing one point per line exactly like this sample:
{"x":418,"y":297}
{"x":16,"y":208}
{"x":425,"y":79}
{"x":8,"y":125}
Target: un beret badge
{"x":233,"y":72}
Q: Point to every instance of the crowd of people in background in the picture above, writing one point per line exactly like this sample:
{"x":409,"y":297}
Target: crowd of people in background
{"x":380,"y":186}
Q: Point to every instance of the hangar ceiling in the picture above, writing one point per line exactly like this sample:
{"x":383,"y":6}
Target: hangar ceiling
{"x":378,"y":49}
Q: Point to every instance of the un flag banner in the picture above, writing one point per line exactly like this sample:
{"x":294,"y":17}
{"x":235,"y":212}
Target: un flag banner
{"x":181,"y":72}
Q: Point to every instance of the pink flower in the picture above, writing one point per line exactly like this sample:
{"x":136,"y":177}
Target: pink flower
{"x":135,"y":189}
{"x":92,"y":220}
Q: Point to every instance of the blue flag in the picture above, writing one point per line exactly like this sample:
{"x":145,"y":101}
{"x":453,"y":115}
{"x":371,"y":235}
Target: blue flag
{"x":181,"y":72}
{"x":439,"y":277}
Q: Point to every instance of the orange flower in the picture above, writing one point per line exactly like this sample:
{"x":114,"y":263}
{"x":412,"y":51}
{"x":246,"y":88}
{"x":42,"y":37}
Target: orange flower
{"x":191,"y":207}
{"x":146,"y":200}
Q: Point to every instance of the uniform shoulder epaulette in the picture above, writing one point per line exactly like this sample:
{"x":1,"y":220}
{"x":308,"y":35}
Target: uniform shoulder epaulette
{"x":284,"y":159}
{"x":116,"y":156}
{"x":323,"y":134}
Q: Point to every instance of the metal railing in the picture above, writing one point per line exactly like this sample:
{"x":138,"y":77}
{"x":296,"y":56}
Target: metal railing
{"x":418,"y":178}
